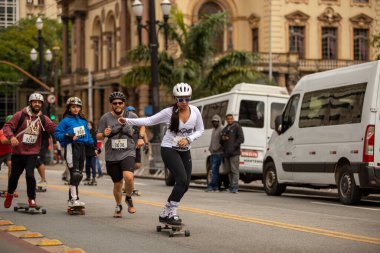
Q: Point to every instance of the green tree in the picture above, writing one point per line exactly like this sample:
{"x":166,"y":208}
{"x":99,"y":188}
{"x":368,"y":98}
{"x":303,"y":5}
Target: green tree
{"x":197,"y":63}
{"x":17,"y":41}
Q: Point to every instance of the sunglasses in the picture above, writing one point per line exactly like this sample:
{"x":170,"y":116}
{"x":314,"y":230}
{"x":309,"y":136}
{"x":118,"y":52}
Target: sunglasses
{"x":181,"y":100}
{"x":118,"y":103}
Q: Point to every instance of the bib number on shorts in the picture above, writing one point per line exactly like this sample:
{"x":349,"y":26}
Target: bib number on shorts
{"x":119,"y":144}
{"x":29,"y":139}
{"x":79,"y":131}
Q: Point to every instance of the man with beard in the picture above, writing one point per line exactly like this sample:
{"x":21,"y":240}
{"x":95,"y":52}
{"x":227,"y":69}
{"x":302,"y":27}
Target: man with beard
{"x":24,"y":130}
{"x":119,"y":150}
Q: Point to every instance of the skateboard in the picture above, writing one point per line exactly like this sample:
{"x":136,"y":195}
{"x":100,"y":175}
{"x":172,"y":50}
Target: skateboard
{"x":32,"y":210}
{"x":173,"y":229}
{"x":3,"y":193}
{"x":76,"y":210}
{"x":90,"y":183}
{"x":41,"y":188}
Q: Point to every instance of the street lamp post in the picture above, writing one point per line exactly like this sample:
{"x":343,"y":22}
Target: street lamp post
{"x":137,"y":7}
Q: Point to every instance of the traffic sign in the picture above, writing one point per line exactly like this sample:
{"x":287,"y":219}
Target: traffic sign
{"x":51,"y":99}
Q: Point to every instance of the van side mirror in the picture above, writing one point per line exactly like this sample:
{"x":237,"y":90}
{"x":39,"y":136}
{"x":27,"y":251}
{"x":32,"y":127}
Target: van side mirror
{"x":278,"y":124}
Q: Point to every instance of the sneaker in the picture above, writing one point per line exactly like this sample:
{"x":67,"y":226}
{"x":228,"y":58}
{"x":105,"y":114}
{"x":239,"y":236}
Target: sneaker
{"x":233,"y":190}
{"x":131,"y":208}
{"x":174,"y":220}
{"x":163,"y":219}
{"x":136,"y":193}
{"x":100,"y":175}
{"x":209,"y":189}
{"x":72,"y":203}
{"x":32,"y":203}
{"x":118,"y":210}
{"x":8,"y":200}
{"x":87,"y":179}
{"x":42,"y":183}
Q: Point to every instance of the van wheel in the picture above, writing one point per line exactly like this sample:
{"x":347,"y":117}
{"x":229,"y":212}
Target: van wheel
{"x":271,"y":185}
{"x":169,"y":179}
{"x":348,"y":192}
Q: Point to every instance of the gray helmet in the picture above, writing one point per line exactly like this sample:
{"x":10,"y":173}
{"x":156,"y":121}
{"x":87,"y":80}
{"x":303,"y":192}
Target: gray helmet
{"x":36,"y":97}
{"x":182,"y":90}
{"x":74,"y":101}
{"x":117,"y":95}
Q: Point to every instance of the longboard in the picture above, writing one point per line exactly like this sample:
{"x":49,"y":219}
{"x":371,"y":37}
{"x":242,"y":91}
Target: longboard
{"x":32,"y":210}
{"x":76,"y":210}
{"x":90,"y":183}
{"x":173,"y":229}
{"x":41,"y":188}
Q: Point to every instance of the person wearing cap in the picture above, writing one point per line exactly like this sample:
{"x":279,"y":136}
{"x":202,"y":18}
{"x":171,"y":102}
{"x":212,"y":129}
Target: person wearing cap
{"x":185,"y":125}
{"x":73,"y":134}
{"x":24,"y":131}
{"x":216,"y":151}
{"x":120,"y":150}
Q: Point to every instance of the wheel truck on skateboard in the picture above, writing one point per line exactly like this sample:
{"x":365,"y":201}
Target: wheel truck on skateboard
{"x":32,"y":210}
{"x":173,"y":229}
{"x":76,"y":210}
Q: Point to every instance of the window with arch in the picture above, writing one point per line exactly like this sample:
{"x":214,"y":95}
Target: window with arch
{"x":361,"y":44}
{"x":329,"y":43}
{"x":297,"y":40}
{"x":209,"y":8}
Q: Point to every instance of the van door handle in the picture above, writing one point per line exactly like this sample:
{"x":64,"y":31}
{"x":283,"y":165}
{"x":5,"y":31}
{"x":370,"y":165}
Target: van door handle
{"x":290,"y":138}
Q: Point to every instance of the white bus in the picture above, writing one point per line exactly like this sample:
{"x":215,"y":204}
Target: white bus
{"x":255,"y":107}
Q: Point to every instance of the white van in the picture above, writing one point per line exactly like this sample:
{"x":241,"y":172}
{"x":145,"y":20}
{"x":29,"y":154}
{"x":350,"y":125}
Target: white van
{"x":326,"y":135}
{"x":254,"y":106}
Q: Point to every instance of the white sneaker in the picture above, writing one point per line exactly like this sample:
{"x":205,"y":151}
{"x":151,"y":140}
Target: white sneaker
{"x":72,"y":203}
{"x":42,"y":183}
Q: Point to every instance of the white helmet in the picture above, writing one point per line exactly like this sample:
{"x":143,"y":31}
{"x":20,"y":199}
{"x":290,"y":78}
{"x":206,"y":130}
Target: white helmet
{"x":36,"y":97}
{"x":182,"y":90}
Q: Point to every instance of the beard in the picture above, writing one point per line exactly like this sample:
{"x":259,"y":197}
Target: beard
{"x":118,"y":113}
{"x":35,"y":110}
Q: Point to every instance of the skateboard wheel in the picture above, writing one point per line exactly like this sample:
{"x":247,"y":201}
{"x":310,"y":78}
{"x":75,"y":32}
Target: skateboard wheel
{"x":187,"y":233}
{"x":43,"y":211}
{"x":171,"y":234}
{"x":158,"y":228}
{"x":15,"y":208}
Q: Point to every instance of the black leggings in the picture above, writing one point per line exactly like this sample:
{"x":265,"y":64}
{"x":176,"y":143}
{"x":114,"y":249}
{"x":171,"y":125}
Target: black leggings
{"x":19,"y":163}
{"x":179,"y":164}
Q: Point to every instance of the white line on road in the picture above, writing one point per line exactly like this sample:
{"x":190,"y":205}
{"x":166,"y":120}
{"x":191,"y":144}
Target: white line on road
{"x":328,"y":204}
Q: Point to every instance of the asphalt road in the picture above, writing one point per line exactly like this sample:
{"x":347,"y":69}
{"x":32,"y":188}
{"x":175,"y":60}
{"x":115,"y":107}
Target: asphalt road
{"x":249,"y":221}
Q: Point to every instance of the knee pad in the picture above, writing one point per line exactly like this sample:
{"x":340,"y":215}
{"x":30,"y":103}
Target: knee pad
{"x":76,"y":177}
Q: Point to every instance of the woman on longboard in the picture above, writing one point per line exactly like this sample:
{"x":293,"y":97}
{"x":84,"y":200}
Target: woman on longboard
{"x":185,"y":124}
{"x":73,"y":134}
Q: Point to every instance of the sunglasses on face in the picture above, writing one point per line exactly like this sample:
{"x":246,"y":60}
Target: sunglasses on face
{"x":117,"y":103}
{"x":181,"y":100}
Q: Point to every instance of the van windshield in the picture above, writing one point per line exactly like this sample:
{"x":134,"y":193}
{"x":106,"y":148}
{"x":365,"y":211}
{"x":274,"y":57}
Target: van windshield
{"x":251,"y":113}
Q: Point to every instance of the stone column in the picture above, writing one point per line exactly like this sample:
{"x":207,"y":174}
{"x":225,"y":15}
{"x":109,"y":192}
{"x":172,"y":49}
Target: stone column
{"x":97,"y":108}
{"x":80,"y":40}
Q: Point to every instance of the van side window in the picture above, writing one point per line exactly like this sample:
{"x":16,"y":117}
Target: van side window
{"x":289,"y":115}
{"x":251,"y":114}
{"x":210,"y":110}
{"x":336,"y":106}
{"x":275,"y":110}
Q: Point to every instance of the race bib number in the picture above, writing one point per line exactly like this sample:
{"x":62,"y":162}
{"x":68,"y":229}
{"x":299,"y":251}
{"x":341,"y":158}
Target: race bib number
{"x":29,"y":139}
{"x":79,"y":131}
{"x":119,"y":144}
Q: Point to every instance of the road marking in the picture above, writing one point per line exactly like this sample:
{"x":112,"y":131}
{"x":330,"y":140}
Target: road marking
{"x":271,"y":223}
{"x":358,"y":207}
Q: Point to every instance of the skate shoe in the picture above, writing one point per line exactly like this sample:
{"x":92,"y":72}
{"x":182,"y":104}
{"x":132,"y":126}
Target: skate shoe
{"x":42,"y":183}
{"x":118,"y":210}
{"x":129,"y":202}
{"x":174,"y":220}
{"x":32,"y":203}
{"x":73,"y":203}
{"x":8,"y":200}
{"x":87,"y":179}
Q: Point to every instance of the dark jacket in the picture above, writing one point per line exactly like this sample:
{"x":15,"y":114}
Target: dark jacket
{"x":91,"y":148}
{"x":232,"y":138}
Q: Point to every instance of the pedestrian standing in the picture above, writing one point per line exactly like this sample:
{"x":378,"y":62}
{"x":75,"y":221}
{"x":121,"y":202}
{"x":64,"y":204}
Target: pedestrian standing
{"x":232,"y":138}
{"x":91,"y":154}
{"x":24,"y":130}
{"x":216,"y":151}
{"x":73,"y":134}
{"x":120,"y":150}
{"x":185,"y":125}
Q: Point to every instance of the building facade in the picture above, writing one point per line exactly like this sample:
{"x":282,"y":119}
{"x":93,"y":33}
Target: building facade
{"x":292,"y":37}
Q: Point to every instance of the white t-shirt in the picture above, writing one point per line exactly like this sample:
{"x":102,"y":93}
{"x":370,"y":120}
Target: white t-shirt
{"x":192,"y":129}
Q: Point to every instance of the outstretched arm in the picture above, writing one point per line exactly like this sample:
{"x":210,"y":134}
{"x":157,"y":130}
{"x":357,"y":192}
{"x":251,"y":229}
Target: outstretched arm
{"x":160,"y":117}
